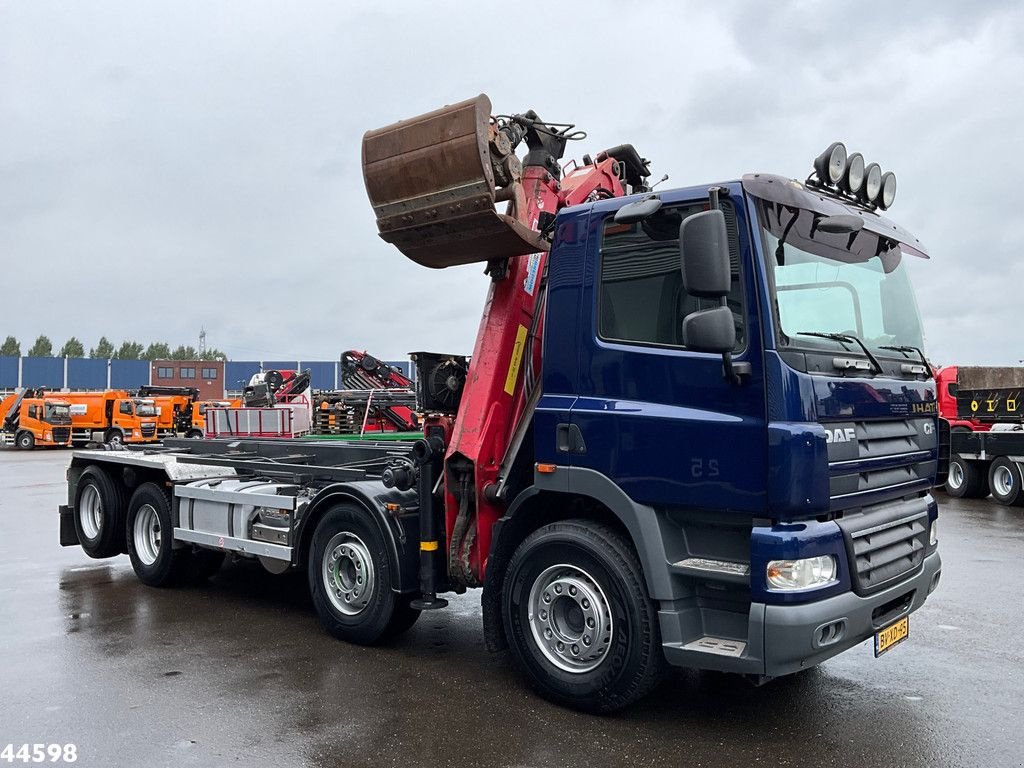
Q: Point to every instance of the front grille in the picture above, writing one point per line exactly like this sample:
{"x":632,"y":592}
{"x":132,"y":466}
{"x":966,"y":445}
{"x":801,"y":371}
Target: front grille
{"x":148,"y":430}
{"x":868,"y":457}
{"x":885,"y":542}
{"x":61,"y":434}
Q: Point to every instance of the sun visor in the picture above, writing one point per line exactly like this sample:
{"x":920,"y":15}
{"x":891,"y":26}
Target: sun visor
{"x":790,"y":192}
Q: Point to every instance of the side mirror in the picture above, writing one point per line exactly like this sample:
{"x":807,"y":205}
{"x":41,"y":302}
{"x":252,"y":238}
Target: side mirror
{"x":704,"y":255}
{"x":638,"y":211}
{"x":710,"y":330}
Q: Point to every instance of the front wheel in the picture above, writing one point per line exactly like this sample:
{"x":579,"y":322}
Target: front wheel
{"x":114,"y":438}
{"x":579,"y":620}
{"x":26,"y":441}
{"x":351,"y":580}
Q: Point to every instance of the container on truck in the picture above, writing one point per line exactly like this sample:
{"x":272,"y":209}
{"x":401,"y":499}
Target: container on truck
{"x":694,"y":429}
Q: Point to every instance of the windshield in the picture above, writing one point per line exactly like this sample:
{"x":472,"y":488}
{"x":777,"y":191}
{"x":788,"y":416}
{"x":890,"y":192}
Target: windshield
{"x":58,"y":414}
{"x":145,"y":410}
{"x":853,"y":284}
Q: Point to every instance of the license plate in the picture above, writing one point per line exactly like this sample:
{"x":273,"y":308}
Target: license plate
{"x":891,"y":636}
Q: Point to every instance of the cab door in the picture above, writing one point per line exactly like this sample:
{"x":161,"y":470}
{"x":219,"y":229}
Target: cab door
{"x":659,"y":420}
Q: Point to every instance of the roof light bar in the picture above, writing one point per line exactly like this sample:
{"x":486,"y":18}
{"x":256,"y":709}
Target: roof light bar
{"x":851,"y":176}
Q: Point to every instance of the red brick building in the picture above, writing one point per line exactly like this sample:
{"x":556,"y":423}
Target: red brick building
{"x":205,"y":375}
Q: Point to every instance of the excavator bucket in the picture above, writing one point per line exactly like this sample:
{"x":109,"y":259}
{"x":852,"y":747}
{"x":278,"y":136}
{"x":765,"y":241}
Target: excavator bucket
{"x":432,"y":186}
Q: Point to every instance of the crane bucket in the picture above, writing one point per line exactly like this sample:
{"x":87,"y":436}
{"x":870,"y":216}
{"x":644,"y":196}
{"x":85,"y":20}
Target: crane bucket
{"x":431,"y":181}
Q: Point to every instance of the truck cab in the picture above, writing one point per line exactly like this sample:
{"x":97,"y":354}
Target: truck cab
{"x":778,"y":492}
{"x":31,"y":421}
{"x":134,"y":418}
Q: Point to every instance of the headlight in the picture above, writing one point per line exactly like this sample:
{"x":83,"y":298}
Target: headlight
{"x":801,"y":574}
{"x":933,"y":533}
{"x":48,"y":436}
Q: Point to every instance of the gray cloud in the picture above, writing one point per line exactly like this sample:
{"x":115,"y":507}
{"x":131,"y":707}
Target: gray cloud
{"x":166,"y":167}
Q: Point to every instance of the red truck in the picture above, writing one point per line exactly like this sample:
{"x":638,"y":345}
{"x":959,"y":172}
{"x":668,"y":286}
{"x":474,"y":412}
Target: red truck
{"x":946,"y":386}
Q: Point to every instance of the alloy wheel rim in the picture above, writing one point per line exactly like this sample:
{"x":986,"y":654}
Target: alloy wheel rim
{"x":146,"y":534}
{"x":956,"y":475}
{"x":570,"y":618}
{"x":90,"y":511}
{"x":348,"y":573}
{"x":1002,"y":481}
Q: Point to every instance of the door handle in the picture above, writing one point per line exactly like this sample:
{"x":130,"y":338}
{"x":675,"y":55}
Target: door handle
{"x":569,"y":439}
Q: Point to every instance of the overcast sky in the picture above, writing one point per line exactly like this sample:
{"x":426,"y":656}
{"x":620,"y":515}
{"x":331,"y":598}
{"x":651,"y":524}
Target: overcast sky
{"x":166,"y":166}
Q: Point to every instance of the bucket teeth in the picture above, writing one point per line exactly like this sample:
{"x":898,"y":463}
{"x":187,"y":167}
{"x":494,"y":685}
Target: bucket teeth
{"x":431,"y":182}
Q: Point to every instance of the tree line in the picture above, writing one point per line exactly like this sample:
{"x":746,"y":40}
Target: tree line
{"x":105,"y":350}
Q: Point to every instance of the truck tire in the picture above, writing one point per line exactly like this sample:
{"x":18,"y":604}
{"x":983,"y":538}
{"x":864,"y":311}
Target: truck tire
{"x":100,"y":508}
{"x":194,"y":434}
{"x":351,"y":581}
{"x":1006,"y":483}
{"x":966,"y":479}
{"x":114,"y":438}
{"x":150,"y":535}
{"x":25,"y":441}
{"x":579,"y":620}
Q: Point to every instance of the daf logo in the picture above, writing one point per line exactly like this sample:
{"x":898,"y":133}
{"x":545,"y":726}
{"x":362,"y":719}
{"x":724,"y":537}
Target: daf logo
{"x":929,"y":428}
{"x":841,"y":435}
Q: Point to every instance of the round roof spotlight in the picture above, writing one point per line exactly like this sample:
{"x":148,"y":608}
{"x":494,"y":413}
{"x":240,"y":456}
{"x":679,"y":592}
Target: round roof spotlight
{"x":872,"y":183}
{"x":830,"y":165}
{"x":888,"y":190}
{"x":853,"y":180}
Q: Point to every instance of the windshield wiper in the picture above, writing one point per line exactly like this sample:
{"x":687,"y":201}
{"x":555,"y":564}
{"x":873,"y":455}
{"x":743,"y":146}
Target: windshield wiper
{"x":906,"y":348}
{"x":847,"y":338}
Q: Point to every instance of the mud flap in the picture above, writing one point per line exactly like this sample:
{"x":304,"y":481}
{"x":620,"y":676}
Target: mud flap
{"x":68,"y":535}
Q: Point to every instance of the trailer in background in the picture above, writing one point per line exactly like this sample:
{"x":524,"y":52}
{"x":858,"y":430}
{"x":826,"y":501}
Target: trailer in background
{"x":989,"y":460}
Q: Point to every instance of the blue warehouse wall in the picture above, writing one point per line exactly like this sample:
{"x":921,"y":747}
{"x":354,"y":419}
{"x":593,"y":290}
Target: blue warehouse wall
{"x":42,"y":372}
{"x":322,"y":374}
{"x":86,"y":373}
{"x":8,"y":372}
{"x":129,"y":374}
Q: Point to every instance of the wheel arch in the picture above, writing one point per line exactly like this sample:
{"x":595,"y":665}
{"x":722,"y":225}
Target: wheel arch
{"x":594,"y":497}
{"x":400,"y":532}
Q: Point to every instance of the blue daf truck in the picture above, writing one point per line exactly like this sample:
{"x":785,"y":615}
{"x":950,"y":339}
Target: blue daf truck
{"x":726,"y":463}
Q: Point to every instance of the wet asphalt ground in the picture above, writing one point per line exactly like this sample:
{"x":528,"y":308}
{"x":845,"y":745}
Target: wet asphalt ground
{"x":238,"y":671}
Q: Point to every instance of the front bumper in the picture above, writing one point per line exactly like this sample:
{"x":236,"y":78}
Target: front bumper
{"x":798,"y":637}
{"x":786,"y":638}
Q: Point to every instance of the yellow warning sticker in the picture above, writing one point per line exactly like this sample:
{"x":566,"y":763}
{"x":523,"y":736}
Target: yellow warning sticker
{"x":516,"y":361}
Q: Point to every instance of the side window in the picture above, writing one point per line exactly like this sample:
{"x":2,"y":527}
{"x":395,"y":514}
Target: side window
{"x":126,"y":408}
{"x":641,"y":289}
{"x":33,"y":412}
{"x":952,"y":389}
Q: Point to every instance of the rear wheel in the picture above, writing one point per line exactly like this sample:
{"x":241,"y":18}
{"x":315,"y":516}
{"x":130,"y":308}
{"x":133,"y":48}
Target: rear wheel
{"x":150,"y":536}
{"x":100,"y":506}
{"x":578,"y":617}
{"x":966,"y":479}
{"x":351,"y":580}
{"x":25,"y":441}
{"x":1005,"y":482}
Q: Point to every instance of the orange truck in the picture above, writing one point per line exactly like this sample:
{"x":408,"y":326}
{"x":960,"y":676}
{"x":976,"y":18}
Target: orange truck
{"x":114,"y":416}
{"x":175,"y":410}
{"x":30,"y":419}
